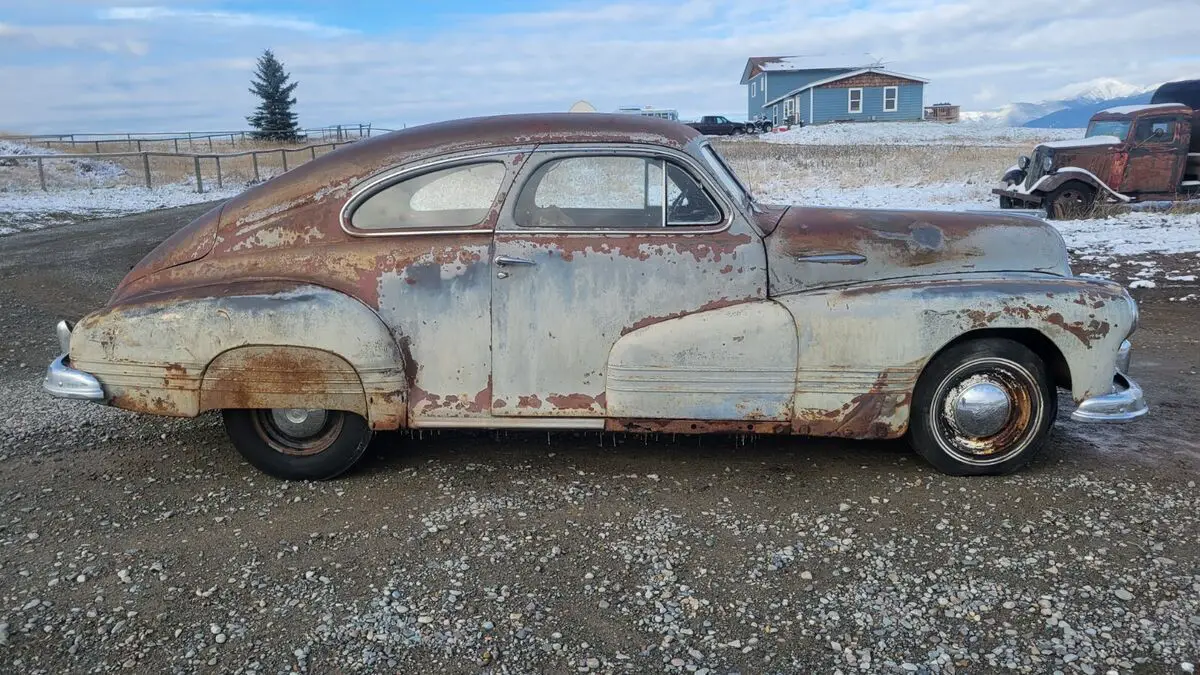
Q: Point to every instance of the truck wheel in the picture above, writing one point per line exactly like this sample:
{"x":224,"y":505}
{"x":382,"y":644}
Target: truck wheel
{"x":297,"y":444}
{"x":1006,"y":202}
{"x":983,"y":407}
{"x":1071,"y":201}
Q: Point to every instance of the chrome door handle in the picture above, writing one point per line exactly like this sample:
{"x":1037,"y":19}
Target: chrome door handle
{"x":833,"y":258}
{"x":509,"y":260}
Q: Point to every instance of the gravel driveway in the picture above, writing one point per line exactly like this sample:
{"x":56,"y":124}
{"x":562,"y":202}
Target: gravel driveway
{"x":141,"y":544}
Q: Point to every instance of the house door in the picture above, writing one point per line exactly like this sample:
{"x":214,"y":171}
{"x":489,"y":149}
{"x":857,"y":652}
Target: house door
{"x":598,"y":244}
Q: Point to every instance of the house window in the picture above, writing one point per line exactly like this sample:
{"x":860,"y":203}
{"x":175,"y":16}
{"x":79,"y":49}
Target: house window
{"x":891,"y":99}
{"x":855,"y":100}
{"x":753,"y":89}
{"x":461,"y":196}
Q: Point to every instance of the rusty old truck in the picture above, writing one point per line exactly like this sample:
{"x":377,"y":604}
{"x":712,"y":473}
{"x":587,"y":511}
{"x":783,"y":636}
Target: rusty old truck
{"x":606,"y":272}
{"x":1130,"y":154}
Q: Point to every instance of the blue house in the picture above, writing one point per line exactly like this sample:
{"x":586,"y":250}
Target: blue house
{"x":813,"y":90}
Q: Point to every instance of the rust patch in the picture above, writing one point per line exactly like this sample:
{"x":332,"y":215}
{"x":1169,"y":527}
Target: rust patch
{"x":1086,"y":333}
{"x":865,"y":416}
{"x":281,"y":377}
{"x":573,"y":401}
{"x":529,"y":402}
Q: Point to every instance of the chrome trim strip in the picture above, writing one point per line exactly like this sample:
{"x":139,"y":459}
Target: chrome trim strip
{"x":508,"y":423}
{"x":63,"y":381}
{"x":833,"y":258}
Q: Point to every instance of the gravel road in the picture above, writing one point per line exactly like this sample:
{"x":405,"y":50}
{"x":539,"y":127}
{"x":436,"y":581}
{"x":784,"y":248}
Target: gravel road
{"x":139,"y":544}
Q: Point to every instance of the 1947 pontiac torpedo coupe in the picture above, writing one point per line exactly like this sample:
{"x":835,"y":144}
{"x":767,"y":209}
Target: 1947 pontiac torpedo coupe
{"x":594,"y":271}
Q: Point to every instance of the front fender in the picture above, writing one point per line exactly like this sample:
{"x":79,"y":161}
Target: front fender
{"x":863,"y":347}
{"x":154,"y":355}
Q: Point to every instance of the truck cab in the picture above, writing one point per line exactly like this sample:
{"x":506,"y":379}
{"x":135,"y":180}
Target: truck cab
{"x":1129,"y":154}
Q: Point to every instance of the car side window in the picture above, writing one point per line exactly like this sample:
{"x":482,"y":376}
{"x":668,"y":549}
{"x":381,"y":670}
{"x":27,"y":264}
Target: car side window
{"x":613,"y":192}
{"x":458,"y":196}
{"x":1146,"y":129}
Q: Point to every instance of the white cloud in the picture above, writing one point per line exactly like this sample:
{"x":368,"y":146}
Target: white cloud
{"x":243,"y":20}
{"x":978,"y":53}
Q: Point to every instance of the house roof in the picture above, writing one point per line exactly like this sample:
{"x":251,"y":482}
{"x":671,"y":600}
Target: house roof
{"x":784,"y":64}
{"x":843,"y":76}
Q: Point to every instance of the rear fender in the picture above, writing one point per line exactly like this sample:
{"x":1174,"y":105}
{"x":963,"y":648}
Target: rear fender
{"x":266,"y":345}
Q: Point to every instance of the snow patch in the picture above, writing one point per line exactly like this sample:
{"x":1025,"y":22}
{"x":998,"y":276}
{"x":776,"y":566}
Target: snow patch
{"x":918,"y":133}
{"x":1082,"y":142}
{"x":27,"y":211}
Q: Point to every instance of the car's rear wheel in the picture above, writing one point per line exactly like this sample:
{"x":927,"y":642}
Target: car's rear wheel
{"x":296,"y":443}
{"x":983,"y":407}
{"x":1071,"y":201}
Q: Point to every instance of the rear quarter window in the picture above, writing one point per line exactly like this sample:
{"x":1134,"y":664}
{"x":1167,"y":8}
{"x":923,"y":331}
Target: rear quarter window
{"x":455,"y":197}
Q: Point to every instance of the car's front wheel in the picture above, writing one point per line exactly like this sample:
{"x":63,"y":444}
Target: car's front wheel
{"x":296,"y":443}
{"x":983,"y":407}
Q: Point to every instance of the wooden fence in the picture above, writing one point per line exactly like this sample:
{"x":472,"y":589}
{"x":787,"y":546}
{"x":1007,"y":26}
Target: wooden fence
{"x":135,"y":142}
{"x":306,"y":153}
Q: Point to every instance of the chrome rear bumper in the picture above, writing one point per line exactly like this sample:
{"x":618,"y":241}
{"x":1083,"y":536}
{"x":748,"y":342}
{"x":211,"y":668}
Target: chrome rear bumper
{"x":1123,"y":404}
{"x":63,"y":381}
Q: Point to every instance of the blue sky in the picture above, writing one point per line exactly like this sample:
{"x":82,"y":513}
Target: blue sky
{"x":141,"y":65}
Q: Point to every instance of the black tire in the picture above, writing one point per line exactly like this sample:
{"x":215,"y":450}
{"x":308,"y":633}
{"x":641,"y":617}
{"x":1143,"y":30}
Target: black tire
{"x":333,"y":445}
{"x":1071,"y":201}
{"x":1006,"y":202}
{"x":1013,"y":435}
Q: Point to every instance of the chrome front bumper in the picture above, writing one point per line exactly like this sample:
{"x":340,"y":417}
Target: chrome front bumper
{"x":63,"y":381}
{"x":1123,"y":404}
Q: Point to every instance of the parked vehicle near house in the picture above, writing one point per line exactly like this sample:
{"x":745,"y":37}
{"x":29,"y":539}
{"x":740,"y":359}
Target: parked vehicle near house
{"x":1129,"y":154}
{"x":600,"y":271}
{"x":718,"y":125}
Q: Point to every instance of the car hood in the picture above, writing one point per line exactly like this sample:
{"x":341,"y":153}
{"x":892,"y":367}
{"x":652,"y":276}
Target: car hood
{"x":1095,"y":142}
{"x":819,"y":247}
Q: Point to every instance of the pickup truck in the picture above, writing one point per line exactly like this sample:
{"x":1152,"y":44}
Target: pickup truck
{"x":1129,"y":154}
{"x":717,"y":125}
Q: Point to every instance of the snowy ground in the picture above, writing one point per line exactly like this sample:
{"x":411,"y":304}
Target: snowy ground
{"x":23,"y":211}
{"x":919,"y":133}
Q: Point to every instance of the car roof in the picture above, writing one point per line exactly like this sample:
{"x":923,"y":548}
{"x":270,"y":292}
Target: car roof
{"x":534,"y":128}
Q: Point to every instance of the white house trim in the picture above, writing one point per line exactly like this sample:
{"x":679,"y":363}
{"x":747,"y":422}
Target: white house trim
{"x":895,"y":99}
{"x":853,"y":73}
{"x":850,"y":100}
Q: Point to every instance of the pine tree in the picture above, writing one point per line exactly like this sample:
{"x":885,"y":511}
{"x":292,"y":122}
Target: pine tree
{"x":273,"y":119}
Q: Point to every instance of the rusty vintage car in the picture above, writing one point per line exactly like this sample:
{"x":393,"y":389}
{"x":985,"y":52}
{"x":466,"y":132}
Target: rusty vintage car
{"x":1129,"y":154}
{"x":609,"y":272}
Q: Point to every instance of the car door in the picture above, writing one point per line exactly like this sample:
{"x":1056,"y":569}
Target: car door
{"x":588,"y":250}
{"x":425,"y":234}
{"x":1156,"y":157}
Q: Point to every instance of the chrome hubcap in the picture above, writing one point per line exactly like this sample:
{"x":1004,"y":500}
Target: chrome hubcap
{"x":980,"y":408}
{"x":299,"y":422}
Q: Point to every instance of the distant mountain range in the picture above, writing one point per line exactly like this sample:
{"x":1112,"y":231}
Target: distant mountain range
{"x":1070,"y":112}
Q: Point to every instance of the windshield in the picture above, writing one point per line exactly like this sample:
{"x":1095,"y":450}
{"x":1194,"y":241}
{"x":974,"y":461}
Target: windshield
{"x":727,"y":177}
{"x":1117,"y":128}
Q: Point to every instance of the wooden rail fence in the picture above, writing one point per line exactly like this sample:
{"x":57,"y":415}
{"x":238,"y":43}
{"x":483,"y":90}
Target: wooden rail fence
{"x":339,"y":133}
{"x":217,"y":158}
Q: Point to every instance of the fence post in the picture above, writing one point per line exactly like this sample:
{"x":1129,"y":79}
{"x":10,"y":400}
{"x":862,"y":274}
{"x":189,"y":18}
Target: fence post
{"x":199,"y":180}
{"x":210,"y":147}
{"x":146,"y":166}
{"x":72,"y":141}
{"x":283,"y":154}
{"x":139,"y":145}
{"x":97,"y":147}
{"x":231,"y":141}
{"x":313,"y":151}
{"x":220,"y":179}
{"x":254,"y":156}
{"x":176,"y":145}
{"x":42,"y":174}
